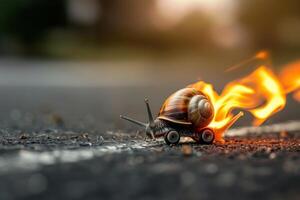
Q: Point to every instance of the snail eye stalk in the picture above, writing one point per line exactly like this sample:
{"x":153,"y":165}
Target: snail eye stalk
{"x":150,"y":117}
{"x":148,"y":126}
{"x":133,"y":121}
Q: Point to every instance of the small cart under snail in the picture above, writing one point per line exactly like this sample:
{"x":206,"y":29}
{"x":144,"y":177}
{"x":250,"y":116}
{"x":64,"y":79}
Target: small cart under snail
{"x":185,"y":113}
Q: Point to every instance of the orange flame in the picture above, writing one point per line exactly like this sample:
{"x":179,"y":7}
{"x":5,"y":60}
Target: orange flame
{"x":262,"y":55}
{"x":261,"y":93}
{"x":290,"y":78}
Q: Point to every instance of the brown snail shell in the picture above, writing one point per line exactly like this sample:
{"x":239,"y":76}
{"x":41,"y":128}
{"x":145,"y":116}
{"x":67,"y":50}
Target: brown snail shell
{"x":188,"y":106}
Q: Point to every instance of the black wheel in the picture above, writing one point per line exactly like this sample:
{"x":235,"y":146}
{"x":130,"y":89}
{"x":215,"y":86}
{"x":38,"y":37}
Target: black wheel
{"x":172,"y":137}
{"x":206,"y":136}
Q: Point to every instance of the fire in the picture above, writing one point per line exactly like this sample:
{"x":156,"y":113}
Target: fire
{"x":262,"y":55}
{"x":290,"y":78}
{"x":262,"y":93}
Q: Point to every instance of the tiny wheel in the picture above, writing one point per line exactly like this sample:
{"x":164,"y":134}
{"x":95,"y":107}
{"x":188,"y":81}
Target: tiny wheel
{"x":206,"y":136}
{"x":172,"y":137}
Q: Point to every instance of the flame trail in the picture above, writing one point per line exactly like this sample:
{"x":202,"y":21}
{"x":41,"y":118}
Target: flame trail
{"x":290,"y":79}
{"x":262,"y":93}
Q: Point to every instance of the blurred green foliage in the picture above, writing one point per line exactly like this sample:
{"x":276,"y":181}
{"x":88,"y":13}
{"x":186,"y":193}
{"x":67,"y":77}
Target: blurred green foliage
{"x":29,"y":20}
{"x":52,"y":28}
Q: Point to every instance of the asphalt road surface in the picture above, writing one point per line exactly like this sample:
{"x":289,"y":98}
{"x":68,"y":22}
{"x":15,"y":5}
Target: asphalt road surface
{"x":57,"y":164}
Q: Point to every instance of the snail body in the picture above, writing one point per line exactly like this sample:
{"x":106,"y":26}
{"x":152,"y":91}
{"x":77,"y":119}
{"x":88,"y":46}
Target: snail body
{"x":187,"y":112}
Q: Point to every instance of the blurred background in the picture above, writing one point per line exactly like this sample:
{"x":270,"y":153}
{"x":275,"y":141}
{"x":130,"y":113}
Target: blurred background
{"x":78,"y":64}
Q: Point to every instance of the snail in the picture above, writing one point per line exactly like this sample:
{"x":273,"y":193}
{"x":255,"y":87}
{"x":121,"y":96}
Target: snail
{"x":187,"y":112}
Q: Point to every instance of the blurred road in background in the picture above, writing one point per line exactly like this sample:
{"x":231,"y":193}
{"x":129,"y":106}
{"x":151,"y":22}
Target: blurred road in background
{"x":79,"y":95}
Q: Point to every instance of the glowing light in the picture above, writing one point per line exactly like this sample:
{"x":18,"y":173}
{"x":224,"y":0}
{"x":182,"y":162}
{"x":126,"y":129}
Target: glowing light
{"x":261,"y":93}
{"x":290,"y":78}
{"x":262,"y":55}
{"x":173,"y":11}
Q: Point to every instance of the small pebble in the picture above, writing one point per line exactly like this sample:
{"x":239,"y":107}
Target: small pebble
{"x":85,"y":135}
{"x":211,"y":168}
{"x":283,"y":134}
{"x":85,"y":144}
{"x":272,"y":156}
{"x":186,"y":150}
{"x":23,"y":137}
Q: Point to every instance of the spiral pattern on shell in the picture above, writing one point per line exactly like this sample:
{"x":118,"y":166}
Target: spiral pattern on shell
{"x":200,"y":110}
{"x":188,"y":106}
